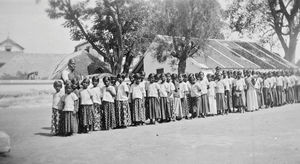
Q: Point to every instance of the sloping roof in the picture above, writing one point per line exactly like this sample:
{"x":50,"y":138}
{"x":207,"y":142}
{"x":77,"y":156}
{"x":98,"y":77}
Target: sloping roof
{"x":230,"y":54}
{"x":10,"y":41}
{"x":7,"y":56}
{"x":31,"y":62}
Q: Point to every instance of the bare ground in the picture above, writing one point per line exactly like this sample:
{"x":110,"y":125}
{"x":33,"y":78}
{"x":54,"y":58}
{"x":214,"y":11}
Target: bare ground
{"x":265,"y":136}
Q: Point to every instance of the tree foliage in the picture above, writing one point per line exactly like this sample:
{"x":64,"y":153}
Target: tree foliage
{"x":268,"y":18}
{"x":189,"y":23}
{"x":114,"y":28}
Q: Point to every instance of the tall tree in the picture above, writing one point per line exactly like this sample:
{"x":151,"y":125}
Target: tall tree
{"x":269,"y":18}
{"x":112,"y":27}
{"x":189,"y":23}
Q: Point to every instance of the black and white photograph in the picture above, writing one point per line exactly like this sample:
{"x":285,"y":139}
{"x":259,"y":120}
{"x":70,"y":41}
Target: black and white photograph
{"x":149,"y":81}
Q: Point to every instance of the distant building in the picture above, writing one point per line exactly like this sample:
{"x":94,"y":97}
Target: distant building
{"x":9,"y":45}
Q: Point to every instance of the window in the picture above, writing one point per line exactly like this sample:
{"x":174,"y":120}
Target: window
{"x":159,"y":71}
{"x":8,"y":48}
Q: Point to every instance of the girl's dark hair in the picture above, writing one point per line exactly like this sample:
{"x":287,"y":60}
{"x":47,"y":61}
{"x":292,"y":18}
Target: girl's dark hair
{"x":121,"y":75}
{"x":106,"y":78}
{"x":57,"y":83}
{"x":137,"y":76}
{"x":95,"y":78}
{"x":69,"y":85}
{"x":174,"y":76}
{"x":85,"y":80}
{"x":150,"y":75}
{"x":75,"y":82}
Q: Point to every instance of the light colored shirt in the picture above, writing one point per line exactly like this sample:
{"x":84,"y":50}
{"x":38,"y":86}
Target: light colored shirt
{"x":96,"y":95}
{"x":226,"y":84}
{"x":153,"y":89}
{"x":195,"y":90}
{"x":279,"y":81}
{"x":107,"y":95}
{"x":182,"y":89}
{"x":212,"y":88}
{"x":69,"y":102}
{"x":86,"y":97}
{"x":164,"y":89}
{"x":266,"y":83}
{"x":57,"y":100}
{"x":65,"y":74}
{"x":172,"y":89}
{"x":220,"y":87}
{"x":122,"y":91}
{"x":203,"y":85}
{"x":239,"y":84}
{"x":144,"y":86}
{"x":137,"y":91}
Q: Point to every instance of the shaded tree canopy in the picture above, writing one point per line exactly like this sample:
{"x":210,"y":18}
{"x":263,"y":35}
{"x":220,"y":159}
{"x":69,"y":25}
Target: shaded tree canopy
{"x":268,"y":18}
{"x":114,"y":28}
{"x":190,"y":23}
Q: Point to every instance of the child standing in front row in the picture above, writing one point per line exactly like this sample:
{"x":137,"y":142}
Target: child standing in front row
{"x":96,"y":96}
{"x":212,"y":95}
{"x":220,"y":95}
{"x":108,"y":105}
{"x":137,"y":93}
{"x":56,"y":108}
{"x":123,"y":116}
{"x":70,"y":108}
{"x":86,"y":116}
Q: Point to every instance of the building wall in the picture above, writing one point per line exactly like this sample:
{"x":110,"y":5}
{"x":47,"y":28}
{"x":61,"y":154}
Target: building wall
{"x":13,"y":47}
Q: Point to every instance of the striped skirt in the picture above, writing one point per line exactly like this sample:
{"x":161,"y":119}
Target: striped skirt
{"x":220,"y":98}
{"x":138,"y":110}
{"x":123,"y":116}
{"x":70,"y":123}
{"x":55,"y":121}
{"x":164,"y":108}
{"x":185,"y":107}
{"x":195,"y":106}
{"x":228,"y":101}
{"x":171,"y":106}
{"x":238,"y":100}
{"x":275,"y":97}
{"x":279,"y":93}
{"x":267,"y":95}
{"x":205,"y":104}
{"x":97,"y":116}
{"x":153,"y":108}
{"x":108,"y":115}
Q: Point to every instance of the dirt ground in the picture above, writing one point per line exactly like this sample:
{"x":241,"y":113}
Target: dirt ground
{"x":266,"y":136}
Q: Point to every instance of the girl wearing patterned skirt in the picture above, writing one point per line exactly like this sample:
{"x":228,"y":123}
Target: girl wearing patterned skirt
{"x":108,"y":105}
{"x":171,"y":96}
{"x":220,"y":97}
{"x":178,"y":111}
{"x":70,"y":108}
{"x":56,"y":108}
{"x":164,"y":91}
{"x":183,"y":96}
{"x":123,"y":116}
{"x":96,"y":97}
{"x":212,"y":95}
{"x":153,"y":111}
{"x":137,"y":98}
{"x":86,"y":110}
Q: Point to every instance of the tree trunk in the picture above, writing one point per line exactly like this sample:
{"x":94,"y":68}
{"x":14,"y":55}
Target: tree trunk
{"x":181,"y":65}
{"x":127,"y":64}
{"x":290,"y":54}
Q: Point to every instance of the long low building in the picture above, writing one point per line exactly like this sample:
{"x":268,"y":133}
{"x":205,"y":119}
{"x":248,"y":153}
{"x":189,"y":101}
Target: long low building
{"x":222,"y":53}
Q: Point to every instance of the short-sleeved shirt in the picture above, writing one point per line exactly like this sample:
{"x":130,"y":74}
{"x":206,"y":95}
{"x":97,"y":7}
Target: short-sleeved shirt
{"x":266,"y":83}
{"x":57,"y":100}
{"x":279,"y":81}
{"x":203,"y":85}
{"x":144,"y":84}
{"x":96,"y":95}
{"x":183,"y":88}
{"x":172,"y":89}
{"x":226,"y":84}
{"x":122,"y":91}
{"x":69,"y":102}
{"x":220,"y":87}
{"x":164,"y":89}
{"x":239,"y":84}
{"x":107,"y":95}
{"x":137,"y":91}
{"x":153,"y":89}
{"x":86,"y":97}
{"x":195,"y":90}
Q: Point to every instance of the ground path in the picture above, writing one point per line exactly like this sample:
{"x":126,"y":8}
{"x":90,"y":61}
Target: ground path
{"x":266,"y":136}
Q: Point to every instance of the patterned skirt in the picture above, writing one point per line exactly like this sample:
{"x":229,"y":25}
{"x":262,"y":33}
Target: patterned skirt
{"x":228,"y":101}
{"x":238,"y":100}
{"x":164,"y":108}
{"x":138,"y":110}
{"x":275,"y":97}
{"x":153,"y":108}
{"x":220,"y":98}
{"x":70,"y":124}
{"x":171,"y":107}
{"x":55,"y":121}
{"x":279,"y":93}
{"x":195,"y":106}
{"x":108,"y":115}
{"x":97,"y":116}
{"x":259,"y":97}
{"x":86,"y":116}
{"x":185,"y":107}
{"x":205,"y":104}
{"x":123,"y":116}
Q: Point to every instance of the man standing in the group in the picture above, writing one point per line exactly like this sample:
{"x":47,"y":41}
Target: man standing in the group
{"x":69,"y":73}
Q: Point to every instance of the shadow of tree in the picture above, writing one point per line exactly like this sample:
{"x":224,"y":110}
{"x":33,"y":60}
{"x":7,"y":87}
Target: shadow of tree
{"x":44,"y":134}
{"x":46,"y":128}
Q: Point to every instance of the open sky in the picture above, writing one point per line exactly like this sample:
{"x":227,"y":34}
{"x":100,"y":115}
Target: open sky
{"x":27,"y":23}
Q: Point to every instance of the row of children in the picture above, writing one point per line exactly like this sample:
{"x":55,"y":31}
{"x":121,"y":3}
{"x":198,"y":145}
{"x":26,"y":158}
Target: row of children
{"x":165,"y":97}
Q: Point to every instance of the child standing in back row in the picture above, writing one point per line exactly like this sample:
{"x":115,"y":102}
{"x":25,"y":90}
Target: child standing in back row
{"x":56,"y":108}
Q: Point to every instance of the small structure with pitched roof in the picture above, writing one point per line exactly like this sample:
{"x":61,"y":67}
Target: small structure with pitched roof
{"x":9,"y":45}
